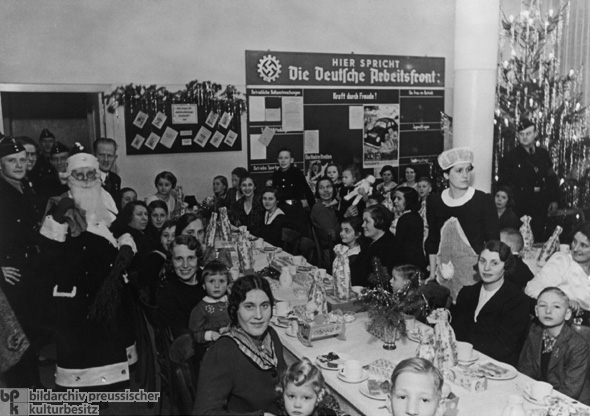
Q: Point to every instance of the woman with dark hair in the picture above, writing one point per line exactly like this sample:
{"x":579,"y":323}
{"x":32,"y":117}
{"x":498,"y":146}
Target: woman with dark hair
{"x":243,"y":367}
{"x":408,"y":228}
{"x":274,"y":217}
{"x":192,"y":224}
{"x":410,"y":175}
{"x":182,"y":291}
{"x":380,"y":242}
{"x":493,"y":314}
{"x":324,"y":220}
{"x":569,"y":272}
{"x":248,"y":210}
{"x":220,"y":192}
{"x":165,"y":183}
{"x":134,"y":219}
{"x":388,"y":183}
{"x":158,"y":214}
{"x":504,"y":200}
{"x":233,"y":194}
{"x":351,"y":235}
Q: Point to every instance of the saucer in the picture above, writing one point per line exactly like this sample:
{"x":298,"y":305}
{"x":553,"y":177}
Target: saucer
{"x":534,"y":401}
{"x":291,"y":333}
{"x":365,"y":392}
{"x":358,"y":380}
{"x":474,"y":358}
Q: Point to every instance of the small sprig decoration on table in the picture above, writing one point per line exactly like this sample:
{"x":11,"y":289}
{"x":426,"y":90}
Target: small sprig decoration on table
{"x":385,"y":307}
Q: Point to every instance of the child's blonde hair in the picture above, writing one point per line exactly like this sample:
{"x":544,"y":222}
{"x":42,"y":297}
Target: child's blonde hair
{"x":300,"y":373}
{"x":418,"y":366}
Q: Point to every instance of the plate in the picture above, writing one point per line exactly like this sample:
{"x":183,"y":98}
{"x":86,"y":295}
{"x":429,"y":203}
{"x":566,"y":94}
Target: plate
{"x":365,"y":392}
{"x":507,"y":376}
{"x":533,"y":400}
{"x":291,"y":333}
{"x":343,"y":357}
{"x":474,"y":358}
{"x":359,"y":380}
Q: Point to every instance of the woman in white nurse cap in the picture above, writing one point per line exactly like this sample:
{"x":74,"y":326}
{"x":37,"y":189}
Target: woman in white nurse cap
{"x":454,"y":244}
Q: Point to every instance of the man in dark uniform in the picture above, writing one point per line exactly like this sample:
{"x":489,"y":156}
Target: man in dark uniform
{"x":105,"y":151}
{"x":19,"y":228}
{"x":90,"y":329}
{"x":529,"y":170}
{"x":52,"y":184}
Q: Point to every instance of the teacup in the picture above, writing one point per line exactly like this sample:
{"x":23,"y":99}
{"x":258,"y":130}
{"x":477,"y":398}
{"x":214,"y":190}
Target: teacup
{"x":464,"y":351}
{"x":259,"y":243}
{"x":351,"y":370}
{"x":298,"y":260}
{"x":282,"y":308}
{"x":235,"y":274}
{"x":293,"y":270}
{"x":564,"y":248}
{"x":292,"y":330}
{"x":539,"y":390}
{"x":322,"y":273}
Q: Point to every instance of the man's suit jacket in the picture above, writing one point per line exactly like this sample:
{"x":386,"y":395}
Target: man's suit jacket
{"x":112,"y":184}
{"x":501,"y":324}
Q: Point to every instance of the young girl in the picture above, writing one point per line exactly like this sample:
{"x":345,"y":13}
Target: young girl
{"x":504,"y":201}
{"x":274,"y":217}
{"x":209,"y":319}
{"x":350,"y":176}
{"x":333,"y":172}
{"x":158,"y":214}
{"x":302,"y":390}
{"x":351,"y":231}
{"x":165,"y":183}
{"x":406,"y":279}
{"x":416,"y":388}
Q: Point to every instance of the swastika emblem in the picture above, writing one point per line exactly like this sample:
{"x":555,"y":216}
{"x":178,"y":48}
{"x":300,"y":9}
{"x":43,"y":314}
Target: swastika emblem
{"x":269,"y":68}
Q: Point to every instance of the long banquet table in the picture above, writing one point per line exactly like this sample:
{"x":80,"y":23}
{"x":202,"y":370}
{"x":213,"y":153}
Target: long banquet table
{"x":361,"y":345}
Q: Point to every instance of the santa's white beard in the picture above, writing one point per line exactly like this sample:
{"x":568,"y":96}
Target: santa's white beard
{"x":88,"y":197}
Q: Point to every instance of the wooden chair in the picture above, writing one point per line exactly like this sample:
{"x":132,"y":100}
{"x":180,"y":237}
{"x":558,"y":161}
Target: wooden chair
{"x":183,"y":374}
{"x":291,"y":240}
{"x":307,"y":248}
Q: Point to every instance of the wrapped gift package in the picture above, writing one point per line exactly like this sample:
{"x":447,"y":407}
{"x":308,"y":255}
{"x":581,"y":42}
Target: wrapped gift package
{"x":471,"y":380}
{"x":451,"y":405}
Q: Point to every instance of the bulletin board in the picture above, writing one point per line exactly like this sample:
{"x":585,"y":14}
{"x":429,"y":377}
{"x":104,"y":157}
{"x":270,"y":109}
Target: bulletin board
{"x":368,"y":110}
{"x":181,"y":128}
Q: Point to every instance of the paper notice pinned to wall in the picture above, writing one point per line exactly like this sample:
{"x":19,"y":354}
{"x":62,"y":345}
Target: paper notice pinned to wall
{"x":256,"y":108}
{"x":184,"y":114}
{"x":159,"y":120}
{"x":230,"y":138}
{"x":292,"y":113}
{"x":217,"y":138}
{"x":202,"y":136}
{"x":152,"y":141}
{"x":169,"y":137}
{"x":257,"y":149}
{"x":212,"y":118}
{"x":272,"y":114}
{"x":356,"y":117}
{"x":225,"y":119}
{"x":138,"y":141}
{"x":311,"y":141}
{"x":140,"y":120}
{"x":266,"y":136}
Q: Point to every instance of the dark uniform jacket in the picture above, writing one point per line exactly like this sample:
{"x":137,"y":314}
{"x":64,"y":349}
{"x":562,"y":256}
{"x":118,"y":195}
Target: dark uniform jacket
{"x":112,"y":183}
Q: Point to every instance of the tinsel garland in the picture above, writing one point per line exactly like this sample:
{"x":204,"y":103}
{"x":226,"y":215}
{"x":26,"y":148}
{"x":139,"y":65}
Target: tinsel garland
{"x":530,"y":85}
{"x":152,"y":99}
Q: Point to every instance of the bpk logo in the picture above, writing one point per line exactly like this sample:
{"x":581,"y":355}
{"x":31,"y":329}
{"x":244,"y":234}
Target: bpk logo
{"x":14,"y":402}
{"x":269,"y":68}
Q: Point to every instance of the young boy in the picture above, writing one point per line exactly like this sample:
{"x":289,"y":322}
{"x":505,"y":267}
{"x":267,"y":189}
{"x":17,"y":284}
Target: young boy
{"x":521,"y":274}
{"x":553,"y":352}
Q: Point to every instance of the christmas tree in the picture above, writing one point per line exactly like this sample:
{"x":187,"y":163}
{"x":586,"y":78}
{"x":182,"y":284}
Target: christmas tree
{"x":531,"y":85}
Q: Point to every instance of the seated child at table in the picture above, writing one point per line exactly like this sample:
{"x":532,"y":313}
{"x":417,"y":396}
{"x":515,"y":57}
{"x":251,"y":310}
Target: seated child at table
{"x":302,"y":390}
{"x":209,"y":319}
{"x":553,"y":351}
{"x":416,"y":388}
{"x":405,"y":279}
{"x":521,"y":274}
{"x":165,"y":183}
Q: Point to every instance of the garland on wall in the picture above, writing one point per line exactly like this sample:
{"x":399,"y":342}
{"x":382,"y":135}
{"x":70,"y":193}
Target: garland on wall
{"x":153,"y":99}
{"x":530,"y":85}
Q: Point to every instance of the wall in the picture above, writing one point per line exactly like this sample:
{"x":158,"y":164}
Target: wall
{"x":165,"y":42}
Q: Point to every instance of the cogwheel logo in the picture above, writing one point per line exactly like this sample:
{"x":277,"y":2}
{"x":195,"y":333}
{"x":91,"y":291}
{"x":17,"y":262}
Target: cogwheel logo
{"x":269,"y":68}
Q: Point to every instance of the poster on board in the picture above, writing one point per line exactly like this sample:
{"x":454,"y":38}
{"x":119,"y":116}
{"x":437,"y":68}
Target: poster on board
{"x":381,"y":135}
